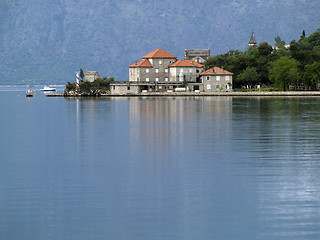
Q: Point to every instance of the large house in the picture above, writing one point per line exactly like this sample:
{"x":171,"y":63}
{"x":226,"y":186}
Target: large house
{"x":161,"y":71}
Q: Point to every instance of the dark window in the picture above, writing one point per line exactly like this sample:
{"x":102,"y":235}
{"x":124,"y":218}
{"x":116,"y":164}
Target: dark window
{"x":128,"y":88}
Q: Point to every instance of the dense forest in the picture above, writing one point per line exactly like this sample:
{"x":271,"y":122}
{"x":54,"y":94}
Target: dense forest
{"x":283,"y":67}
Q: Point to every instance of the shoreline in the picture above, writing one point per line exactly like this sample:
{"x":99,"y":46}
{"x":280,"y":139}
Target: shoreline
{"x":202,"y":94}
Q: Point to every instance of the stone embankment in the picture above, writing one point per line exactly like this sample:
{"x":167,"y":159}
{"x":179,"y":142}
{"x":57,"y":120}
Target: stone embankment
{"x":164,"y":94}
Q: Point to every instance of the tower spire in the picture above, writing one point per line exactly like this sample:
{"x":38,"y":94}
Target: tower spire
{"x":252,"y":41}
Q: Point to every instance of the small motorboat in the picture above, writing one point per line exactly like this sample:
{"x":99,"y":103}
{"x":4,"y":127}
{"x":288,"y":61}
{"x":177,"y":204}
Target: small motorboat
{"x":48,"y":89}
{"x":29,"y":93}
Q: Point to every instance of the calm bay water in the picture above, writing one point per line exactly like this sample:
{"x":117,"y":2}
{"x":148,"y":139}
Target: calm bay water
{"x":159,"y":168}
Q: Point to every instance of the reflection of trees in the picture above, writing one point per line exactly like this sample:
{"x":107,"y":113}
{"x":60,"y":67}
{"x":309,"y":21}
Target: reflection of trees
{"x":281,"y":123}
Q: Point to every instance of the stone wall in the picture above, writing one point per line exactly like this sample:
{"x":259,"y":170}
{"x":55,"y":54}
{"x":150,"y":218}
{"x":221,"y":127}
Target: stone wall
{"x":123,"y":89}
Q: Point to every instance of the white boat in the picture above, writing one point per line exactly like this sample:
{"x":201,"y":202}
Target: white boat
{"x":29,"y":93}
{"x":48,"y":89}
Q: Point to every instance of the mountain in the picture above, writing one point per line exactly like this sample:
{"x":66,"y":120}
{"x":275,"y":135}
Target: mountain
{"x":46,"y":41}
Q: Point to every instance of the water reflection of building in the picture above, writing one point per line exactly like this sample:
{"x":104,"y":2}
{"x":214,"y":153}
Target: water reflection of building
{"x":160,"y":127}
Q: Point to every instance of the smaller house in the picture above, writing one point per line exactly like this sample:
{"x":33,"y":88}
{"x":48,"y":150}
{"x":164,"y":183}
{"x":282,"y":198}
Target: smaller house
{"x":90,"y":76}
{"x":216,"y":79}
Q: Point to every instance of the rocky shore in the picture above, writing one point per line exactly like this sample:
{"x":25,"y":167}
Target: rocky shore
{"x":173,"y":94}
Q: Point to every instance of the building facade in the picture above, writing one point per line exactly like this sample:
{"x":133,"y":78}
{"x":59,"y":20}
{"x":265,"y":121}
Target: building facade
{"x":216,"y":79}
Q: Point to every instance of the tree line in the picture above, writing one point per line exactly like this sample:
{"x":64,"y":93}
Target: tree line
{"x":98,"y":86}
{"x":294,"y":67}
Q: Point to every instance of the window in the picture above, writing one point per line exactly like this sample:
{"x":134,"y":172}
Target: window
{"x":218,"y":78}
{"x":208,"y":78}
{"x":217,"y":86}
{"x":114,"y":87}
{"x":157,"y":70}
{"x":190,"y":70}
{"x":128,"y":87}
{"x":208,"y":86}
{"x":227,"y":78}
{"x":166,"y":70}
{"x":160,"y":62}
{"x":166,"y":79}
{"x":157,"y":79}
{"x":147,"y":80}
{"x":147,"y":70}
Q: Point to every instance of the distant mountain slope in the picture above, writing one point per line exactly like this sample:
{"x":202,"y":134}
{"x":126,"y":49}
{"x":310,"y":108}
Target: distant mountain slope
{"x":45,"y":41}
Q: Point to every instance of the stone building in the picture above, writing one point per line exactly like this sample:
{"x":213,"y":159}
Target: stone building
{"x":216,"y":79}
{"x":160,"y":71}
{"x":90,"y":76}
{"x":197,"y":55}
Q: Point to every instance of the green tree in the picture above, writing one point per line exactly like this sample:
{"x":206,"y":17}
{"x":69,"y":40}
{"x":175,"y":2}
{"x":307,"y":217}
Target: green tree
{"x":216,"y":61}
{"x":263,"y":57}
{"x":81,"y":74}
{"x":279,"y":42}
{"x":249,"y":77}
{"x":264,"y":49}
{"x":70,"y":87}
{"x":303,"y":35}
{"x":282,"y":72}
{"x":311,"y":75}
{"x":251,"y":51}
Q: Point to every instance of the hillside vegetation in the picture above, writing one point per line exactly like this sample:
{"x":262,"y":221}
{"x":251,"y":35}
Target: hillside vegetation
{"x":297,"y":66}
{"x":46,"y":41}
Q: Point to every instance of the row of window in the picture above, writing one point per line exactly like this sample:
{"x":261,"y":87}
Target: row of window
{"x":227,"y":78}
{"x":157,"y":79}
{"x":166,"y":70}
{"x":218,"y":86}
{"x":157,"y":70}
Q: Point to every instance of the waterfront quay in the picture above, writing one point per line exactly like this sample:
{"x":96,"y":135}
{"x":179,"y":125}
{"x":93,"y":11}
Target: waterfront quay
{"x":174,"y":94}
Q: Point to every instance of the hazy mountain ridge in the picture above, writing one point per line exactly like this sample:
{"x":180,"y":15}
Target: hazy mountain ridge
{"x":46,"y":41}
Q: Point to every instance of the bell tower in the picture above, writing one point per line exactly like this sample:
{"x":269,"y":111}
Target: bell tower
{"x":252,"y":41}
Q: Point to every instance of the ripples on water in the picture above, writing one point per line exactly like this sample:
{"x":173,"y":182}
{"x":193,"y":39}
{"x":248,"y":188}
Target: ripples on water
{"x":159,"y":168}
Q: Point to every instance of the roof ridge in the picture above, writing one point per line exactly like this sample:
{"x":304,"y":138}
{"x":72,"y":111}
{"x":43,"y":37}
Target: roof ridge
{"x":159,"y":53}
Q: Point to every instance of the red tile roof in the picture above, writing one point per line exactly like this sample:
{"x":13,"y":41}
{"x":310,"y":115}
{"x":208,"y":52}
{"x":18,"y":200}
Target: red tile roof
{"x":143,"y":63}
{"x":216,"y":71}
{"x":186,"y":63}
{"x":159,"y":53}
